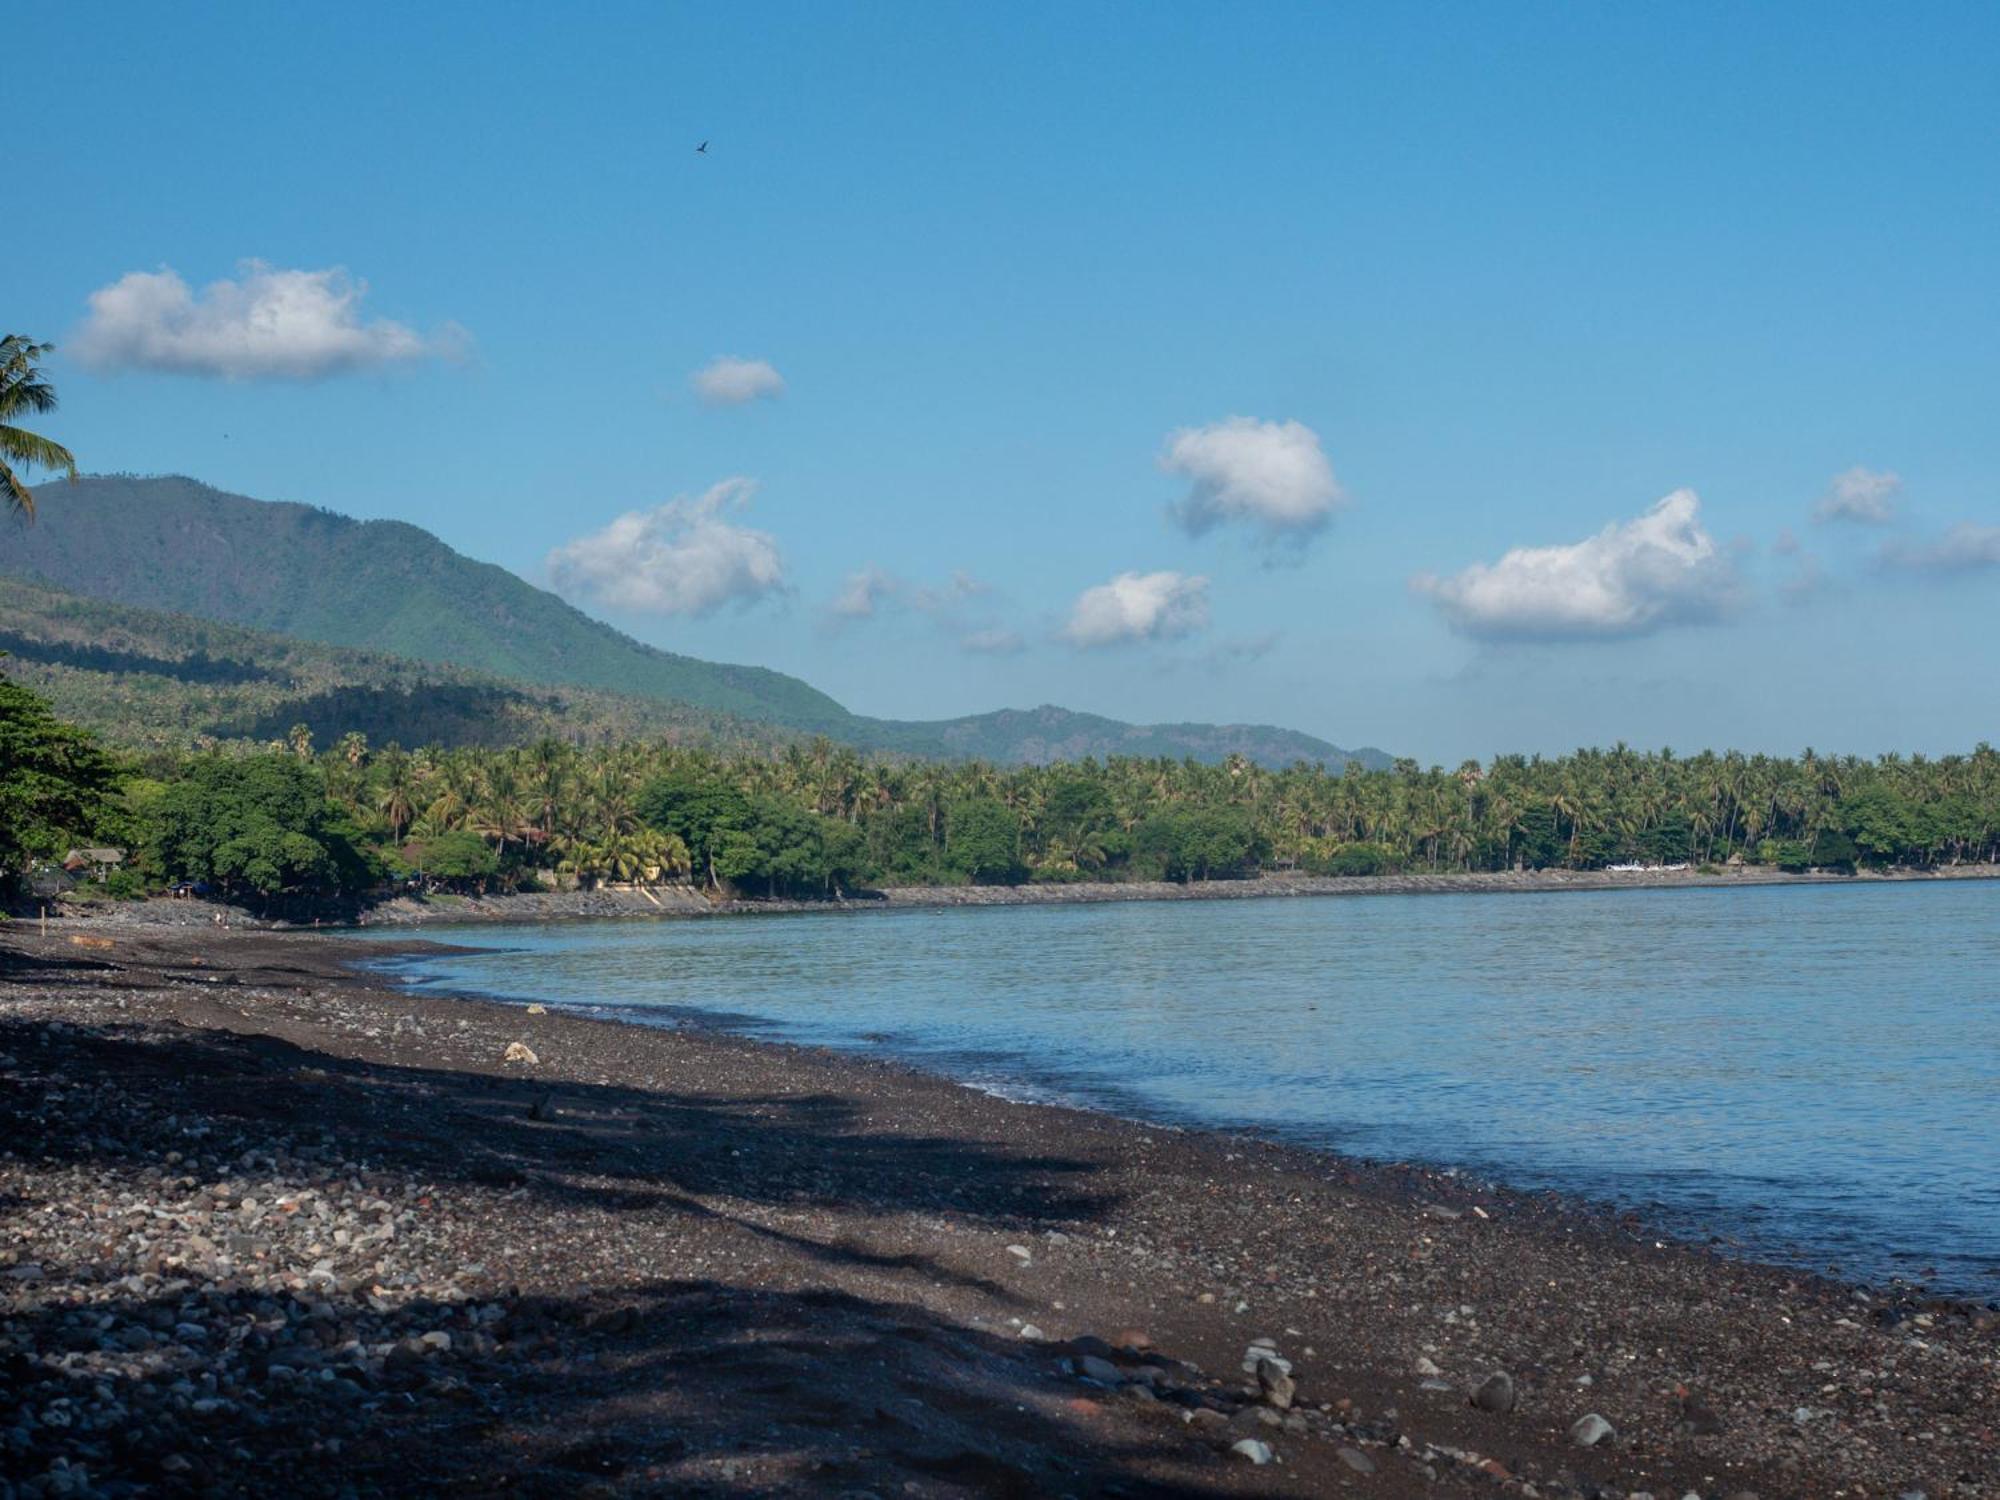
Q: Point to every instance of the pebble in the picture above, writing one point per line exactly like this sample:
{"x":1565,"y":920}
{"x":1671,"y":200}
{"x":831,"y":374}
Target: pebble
{"x":1257,"y":1452}
{"x":1495,"y":1393}
{"x":1278,"y":1387}
{"x":1425,"y":1367}
{"x":1031,"y":1332}
{"x":520,"y":1052}
{"x":1590,"y":1430}
{"x":1358,"y":1461}
{"x":1264,"y":1352}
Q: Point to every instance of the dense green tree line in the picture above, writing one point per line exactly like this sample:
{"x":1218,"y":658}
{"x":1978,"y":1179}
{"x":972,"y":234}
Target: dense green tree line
{"x":822,"y":819}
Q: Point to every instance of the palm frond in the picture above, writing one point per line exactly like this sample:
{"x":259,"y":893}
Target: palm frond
{"x":18,"y":445}
{"x":14,"y":494}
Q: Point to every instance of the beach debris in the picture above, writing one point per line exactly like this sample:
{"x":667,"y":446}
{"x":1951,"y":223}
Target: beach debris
{"x":1257,"y":1452}
{"x":538,"y":1009}
{"x":1590,"y":1430}
{"x":520,"y":1052}
{"x":1495,"y":1393}
{"x":1021,"y":1253}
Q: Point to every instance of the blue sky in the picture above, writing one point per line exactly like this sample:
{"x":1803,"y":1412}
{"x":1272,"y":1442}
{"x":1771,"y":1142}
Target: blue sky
{"x":1164,"y":361}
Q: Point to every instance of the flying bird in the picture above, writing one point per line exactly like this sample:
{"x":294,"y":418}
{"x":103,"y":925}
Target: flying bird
{"x":702,"y":149}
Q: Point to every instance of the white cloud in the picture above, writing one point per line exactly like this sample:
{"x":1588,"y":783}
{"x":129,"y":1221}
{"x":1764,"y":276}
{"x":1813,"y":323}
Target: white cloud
{"x":871,"y":591}
{"x":868,"y":591}
{"x":862,"y":593}
{"x":681,"y":558}
{"x":1965,"y":548}
{"x":1634,"y":576}
{"x":944,"y":599}
{"x":1159,"y":606}
{"x":267,"y":324}
{"x":1268,"y":474}
{"x":1858,"y":494}
{"x":729,"y":381}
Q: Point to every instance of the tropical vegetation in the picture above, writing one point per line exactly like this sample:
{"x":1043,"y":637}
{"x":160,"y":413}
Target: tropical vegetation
{"x":24,"y":392}
{"x":299,"y":817}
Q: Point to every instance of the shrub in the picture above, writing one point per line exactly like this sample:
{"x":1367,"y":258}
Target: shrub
{"x":1361,"y":859}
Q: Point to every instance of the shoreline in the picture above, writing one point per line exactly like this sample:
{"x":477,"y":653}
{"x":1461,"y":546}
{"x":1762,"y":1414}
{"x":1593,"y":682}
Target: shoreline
{"x":635,"y":1183}
{"x":683,"y":901}
{"x":391,"y":961}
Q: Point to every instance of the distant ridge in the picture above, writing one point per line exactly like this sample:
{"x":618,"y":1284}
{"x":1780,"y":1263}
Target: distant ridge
{"x":174,"y":544}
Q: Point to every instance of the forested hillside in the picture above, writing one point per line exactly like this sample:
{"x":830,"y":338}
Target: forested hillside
{"x":149,"y":679}
{"x":176,"y":545}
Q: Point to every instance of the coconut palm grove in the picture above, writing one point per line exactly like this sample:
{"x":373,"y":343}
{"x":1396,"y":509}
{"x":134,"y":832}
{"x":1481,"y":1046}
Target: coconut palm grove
{"x":817,"y":819}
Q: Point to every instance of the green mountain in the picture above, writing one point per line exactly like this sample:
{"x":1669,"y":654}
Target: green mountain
{"x":175,"y":544}
{"x":150,"y":679}
{"x":178,"y":546}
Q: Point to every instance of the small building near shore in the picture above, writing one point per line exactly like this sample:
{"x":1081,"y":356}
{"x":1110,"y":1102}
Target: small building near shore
{"x":97,"y":862}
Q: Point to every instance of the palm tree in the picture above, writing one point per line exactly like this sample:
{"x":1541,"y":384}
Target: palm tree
{"x":24,"y":391}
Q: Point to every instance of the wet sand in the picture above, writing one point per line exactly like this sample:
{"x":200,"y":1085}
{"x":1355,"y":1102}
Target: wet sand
{"x":269,"y":1225}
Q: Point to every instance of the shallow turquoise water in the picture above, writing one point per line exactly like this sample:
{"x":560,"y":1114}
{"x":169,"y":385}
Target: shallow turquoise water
{"x":1813,"y":1071}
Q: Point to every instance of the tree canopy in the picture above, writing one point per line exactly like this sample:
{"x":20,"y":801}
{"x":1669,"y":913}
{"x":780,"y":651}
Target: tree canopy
{"x":56,"y":782}
{"x":306,"y":814}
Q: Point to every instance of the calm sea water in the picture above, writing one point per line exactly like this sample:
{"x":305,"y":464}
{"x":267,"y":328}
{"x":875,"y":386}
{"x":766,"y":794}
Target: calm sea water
{"x":1811,"y":1071}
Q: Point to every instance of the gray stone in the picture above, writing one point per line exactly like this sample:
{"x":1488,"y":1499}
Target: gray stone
{"x":1258,"y":1453}
{"x":1590,"y":1430}
{"x":1358,"y":1461}
{"x":1495,"y":1393}
{"x":1278,"y":1387}
{"x":1263,"y":1351}
{"x":1090,"y":1367}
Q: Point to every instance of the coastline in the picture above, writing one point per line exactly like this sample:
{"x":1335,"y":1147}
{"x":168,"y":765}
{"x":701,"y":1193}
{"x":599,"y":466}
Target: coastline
{"x":683,"y":901}
{"x":647,"y":1207}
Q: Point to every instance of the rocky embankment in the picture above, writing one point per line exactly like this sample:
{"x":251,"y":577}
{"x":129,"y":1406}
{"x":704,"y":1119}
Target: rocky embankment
{"x":688,"y":901}
{"x":267,"y":1228}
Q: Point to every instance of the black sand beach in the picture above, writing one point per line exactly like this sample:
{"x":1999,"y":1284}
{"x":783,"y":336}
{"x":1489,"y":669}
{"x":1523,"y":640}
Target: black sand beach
{"x":268,"y":1226}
